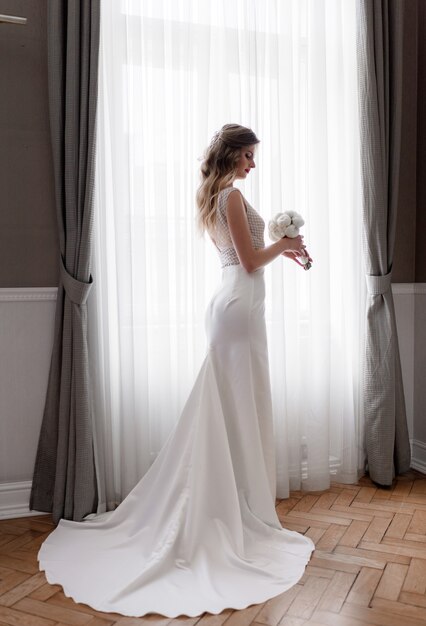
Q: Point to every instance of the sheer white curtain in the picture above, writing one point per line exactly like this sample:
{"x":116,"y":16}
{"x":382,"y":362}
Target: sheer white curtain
{"x":172,"y":73}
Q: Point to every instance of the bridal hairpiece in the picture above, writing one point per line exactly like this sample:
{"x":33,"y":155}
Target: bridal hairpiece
{"x":214,"y":140}
{"x":216,"y":137}
{"x":287,"y":224}
{"x":219,"y":136}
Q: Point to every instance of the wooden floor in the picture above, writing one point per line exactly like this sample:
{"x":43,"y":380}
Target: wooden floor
{"x":369,"y":566}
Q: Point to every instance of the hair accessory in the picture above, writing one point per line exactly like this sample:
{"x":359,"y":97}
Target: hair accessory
{"x":216,"y":137}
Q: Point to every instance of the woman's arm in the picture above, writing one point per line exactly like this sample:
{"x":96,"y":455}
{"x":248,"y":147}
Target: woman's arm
{"x":251,"y":258}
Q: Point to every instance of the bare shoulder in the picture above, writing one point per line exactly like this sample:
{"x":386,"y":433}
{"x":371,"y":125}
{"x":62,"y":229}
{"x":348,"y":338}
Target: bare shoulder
{"x":235,"y":201}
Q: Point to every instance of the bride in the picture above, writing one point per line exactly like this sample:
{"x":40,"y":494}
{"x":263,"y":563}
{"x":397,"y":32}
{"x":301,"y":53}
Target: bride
{"x":199,"y":532}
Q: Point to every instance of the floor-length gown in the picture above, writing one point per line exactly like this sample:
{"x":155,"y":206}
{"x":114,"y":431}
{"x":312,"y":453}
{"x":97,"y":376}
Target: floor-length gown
{"x":199,"y":532}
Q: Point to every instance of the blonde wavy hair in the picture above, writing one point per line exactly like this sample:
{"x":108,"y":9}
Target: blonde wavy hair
{"x":218,"y":170}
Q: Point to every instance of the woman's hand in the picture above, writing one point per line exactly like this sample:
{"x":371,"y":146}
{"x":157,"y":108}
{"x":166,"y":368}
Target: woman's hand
{"x":295,"y":244}
{"x":291,"y":255}
{"x":296,"y":248}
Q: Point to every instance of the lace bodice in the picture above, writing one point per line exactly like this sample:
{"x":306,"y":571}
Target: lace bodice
{"x":222,"y":237}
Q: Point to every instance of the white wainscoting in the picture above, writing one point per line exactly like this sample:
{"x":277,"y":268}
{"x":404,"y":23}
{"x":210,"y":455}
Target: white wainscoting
{"x":27,"y":319}
{"x":14,"y":499}
{"x":410,"y":311}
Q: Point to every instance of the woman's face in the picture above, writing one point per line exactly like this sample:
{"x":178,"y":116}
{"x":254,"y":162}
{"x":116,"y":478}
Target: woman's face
{"x":246,"y":161}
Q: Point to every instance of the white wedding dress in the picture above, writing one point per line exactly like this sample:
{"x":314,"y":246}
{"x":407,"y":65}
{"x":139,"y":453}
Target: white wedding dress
{"x":199,"y":532}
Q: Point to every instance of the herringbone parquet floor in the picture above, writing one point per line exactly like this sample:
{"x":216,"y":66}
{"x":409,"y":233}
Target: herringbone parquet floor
{"x":369,"y":566}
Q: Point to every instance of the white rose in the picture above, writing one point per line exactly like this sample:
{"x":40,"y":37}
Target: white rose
{"x":298,"y":220}
{"x":274,"y":231}
{"x":284,"y":220}
{"x":291,"y":231}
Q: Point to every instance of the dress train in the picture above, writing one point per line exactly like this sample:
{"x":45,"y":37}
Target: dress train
{"x":199,"y":532}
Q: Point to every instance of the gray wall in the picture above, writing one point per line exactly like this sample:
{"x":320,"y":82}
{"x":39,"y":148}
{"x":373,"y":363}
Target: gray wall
{"x":421,"y":148}
{"x":404,"y":265}
{"x":29,"y":246}
{"x":410,"y":244}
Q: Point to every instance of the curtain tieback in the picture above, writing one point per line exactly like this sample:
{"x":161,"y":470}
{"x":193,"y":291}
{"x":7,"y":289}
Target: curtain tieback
{"x":76,"y":290}
{"x":378,"y":285}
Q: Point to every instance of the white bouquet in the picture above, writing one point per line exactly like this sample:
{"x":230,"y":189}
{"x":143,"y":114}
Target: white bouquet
{"x":287,"y":224}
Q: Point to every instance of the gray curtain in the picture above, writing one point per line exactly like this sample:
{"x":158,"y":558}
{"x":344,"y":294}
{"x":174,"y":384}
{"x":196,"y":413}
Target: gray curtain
{"x":64,"y":481}
{"x":379,"y":49}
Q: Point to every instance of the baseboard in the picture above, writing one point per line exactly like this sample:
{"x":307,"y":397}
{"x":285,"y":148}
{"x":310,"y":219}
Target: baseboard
{"x":14,"y":500}
{"x":418,"y":455}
